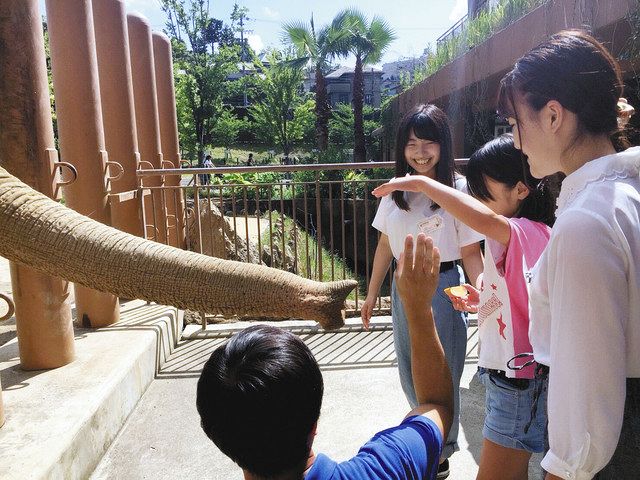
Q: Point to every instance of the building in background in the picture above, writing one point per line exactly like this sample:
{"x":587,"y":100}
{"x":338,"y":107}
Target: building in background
{"x":340,"y":86}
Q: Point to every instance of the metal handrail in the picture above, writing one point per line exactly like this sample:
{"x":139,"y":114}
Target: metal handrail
{"x":450,"y":33}
{"x":265,"y":168}
{"x":318,"y":221}
{"x":275,"y":168}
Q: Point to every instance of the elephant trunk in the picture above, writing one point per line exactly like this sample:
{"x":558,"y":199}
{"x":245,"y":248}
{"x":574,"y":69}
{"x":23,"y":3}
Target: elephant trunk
{"x":40,"y":233}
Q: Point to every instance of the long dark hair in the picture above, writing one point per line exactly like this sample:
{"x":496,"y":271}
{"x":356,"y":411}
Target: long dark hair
{"x":427,"y":122}
{"x":574,"y":69}
{"x":501,"y":161}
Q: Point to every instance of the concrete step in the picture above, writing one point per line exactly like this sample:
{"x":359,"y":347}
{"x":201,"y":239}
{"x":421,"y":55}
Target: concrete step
{"x":60,"y":422}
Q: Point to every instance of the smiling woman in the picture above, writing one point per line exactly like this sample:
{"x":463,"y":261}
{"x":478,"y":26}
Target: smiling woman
{"x":422,"y":155}
{"x":423,"y":146}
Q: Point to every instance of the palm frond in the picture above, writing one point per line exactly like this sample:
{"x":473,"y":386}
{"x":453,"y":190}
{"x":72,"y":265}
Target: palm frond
{"x":379,"y":35}
{"x":296,"y":63}
{"x":300,"y":36}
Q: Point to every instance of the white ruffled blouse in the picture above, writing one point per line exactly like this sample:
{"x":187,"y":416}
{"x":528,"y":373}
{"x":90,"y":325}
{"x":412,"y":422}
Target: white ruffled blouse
{"x":585,"y":312}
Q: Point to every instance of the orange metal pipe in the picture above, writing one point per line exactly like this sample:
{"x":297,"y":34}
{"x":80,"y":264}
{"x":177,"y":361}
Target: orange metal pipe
{"x":118,"y":115}
{"x":43,"y":314}
{"x":80,"y":129}
{"x":147,"y":119}
{"x":169,"y":134}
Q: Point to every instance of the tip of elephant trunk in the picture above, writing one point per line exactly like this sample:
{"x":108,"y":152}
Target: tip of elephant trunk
{"x":330,"y":312}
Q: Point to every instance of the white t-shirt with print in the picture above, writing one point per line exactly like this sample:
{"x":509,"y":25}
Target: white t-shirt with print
{"x":448,"y":233}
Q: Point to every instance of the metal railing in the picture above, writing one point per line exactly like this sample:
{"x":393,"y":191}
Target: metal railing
{"x":307,"y":219}
{"x":312,"y":220}
{"x":454,"y":31}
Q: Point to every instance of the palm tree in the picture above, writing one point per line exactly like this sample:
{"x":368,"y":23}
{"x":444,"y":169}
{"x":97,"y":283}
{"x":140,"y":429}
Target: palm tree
{"x":367,"y":42}
{"x":318,"y":49}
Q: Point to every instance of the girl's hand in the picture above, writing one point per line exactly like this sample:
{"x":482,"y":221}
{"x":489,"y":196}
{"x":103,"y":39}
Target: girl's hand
{"x":411,"y":183}
{"x":367,"y":310}
{"x":468,"y":304}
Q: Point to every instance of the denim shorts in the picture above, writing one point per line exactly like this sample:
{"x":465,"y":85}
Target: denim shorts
{"x":508,"y":411}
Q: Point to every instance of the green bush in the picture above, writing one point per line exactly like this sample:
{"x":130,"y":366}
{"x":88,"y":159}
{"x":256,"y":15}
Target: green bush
{"x":477,"y":30}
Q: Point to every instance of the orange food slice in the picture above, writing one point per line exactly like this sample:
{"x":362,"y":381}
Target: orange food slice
{"x":459,"y":291}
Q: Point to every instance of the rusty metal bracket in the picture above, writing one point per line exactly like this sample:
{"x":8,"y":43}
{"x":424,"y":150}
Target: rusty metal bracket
{"x":10,"y":305}
{"x":72,"y":169}
{"x":119,"y":175}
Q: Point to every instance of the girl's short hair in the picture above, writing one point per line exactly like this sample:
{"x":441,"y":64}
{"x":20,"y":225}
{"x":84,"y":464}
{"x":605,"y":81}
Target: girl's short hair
{"x":501,"y":161}
{"x":576,"y":70}
{"x":427,"y":122}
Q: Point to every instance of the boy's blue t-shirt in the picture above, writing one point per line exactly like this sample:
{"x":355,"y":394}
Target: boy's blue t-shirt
{"x":410,"y":450}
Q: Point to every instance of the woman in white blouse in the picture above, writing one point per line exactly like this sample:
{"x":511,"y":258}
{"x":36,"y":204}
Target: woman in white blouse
{"x":562,"y":99}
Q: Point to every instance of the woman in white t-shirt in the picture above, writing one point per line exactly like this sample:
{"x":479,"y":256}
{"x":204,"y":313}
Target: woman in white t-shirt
{"x":423,"y":147}
{"x":562,"y":99}
{"x":515,"y":212}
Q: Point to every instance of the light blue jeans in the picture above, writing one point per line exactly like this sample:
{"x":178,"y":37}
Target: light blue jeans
{"x":452,"y":330}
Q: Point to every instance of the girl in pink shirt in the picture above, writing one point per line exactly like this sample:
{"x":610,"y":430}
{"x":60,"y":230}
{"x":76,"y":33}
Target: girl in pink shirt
{"x":515,"y":215}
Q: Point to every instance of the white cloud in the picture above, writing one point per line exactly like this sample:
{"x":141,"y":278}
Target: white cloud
{"x":255,"y":41}
{"x":273,"y":14}
{"x":459,"y":10}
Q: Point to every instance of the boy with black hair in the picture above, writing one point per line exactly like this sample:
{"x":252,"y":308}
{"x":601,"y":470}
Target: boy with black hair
{"x":259,"y":396}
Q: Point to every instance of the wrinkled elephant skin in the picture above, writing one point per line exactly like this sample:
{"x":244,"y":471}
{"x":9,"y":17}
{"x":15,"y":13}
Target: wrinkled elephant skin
{"x":47,"y":236}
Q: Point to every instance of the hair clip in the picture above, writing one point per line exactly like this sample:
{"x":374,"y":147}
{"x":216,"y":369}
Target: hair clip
{"x":625,"y":111}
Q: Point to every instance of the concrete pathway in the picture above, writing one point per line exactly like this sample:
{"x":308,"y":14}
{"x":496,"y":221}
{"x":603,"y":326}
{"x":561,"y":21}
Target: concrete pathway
{"x":162,"y":438}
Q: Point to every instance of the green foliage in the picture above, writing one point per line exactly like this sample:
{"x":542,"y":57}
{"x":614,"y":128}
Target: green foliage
{"x":477,"y":30}
{"x":204,"y":54}
{"x":226,"y":129}
{"x":52,"y":101}
{"x":315,"y":50}
{"x":307,"y":265}
{"x":336,"y":153}
{"x":341,"y":127}
{"x":184,"y":86}
{"x":367,"y":42}
{"x":282,"y":115}
{"x":305,"y":118}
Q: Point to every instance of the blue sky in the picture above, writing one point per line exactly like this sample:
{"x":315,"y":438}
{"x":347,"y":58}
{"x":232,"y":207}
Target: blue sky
{"x":417,"y":23}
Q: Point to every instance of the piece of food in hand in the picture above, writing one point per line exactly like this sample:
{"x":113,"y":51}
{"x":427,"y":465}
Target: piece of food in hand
{"x":459,"y":291}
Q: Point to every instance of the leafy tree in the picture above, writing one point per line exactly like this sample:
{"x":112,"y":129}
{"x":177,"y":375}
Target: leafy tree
{"x":318,"y":50}
{"x":367,"y":42}
{"x":204,"y":55}
{"x":238,"y":17}
{"x":342,"y":123}
{"x":282,"y":112}
{"x":227,"y":128}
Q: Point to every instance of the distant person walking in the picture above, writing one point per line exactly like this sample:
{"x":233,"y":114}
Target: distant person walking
{"x":250,"y":160}
{"x":205,"y":178}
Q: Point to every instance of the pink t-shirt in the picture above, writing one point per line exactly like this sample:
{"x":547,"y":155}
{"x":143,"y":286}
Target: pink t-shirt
{"x":503,"y":316}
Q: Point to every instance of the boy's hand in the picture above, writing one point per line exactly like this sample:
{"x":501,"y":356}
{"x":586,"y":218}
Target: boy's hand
{"x":417,"y":273}
{"x":412,"y":183}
